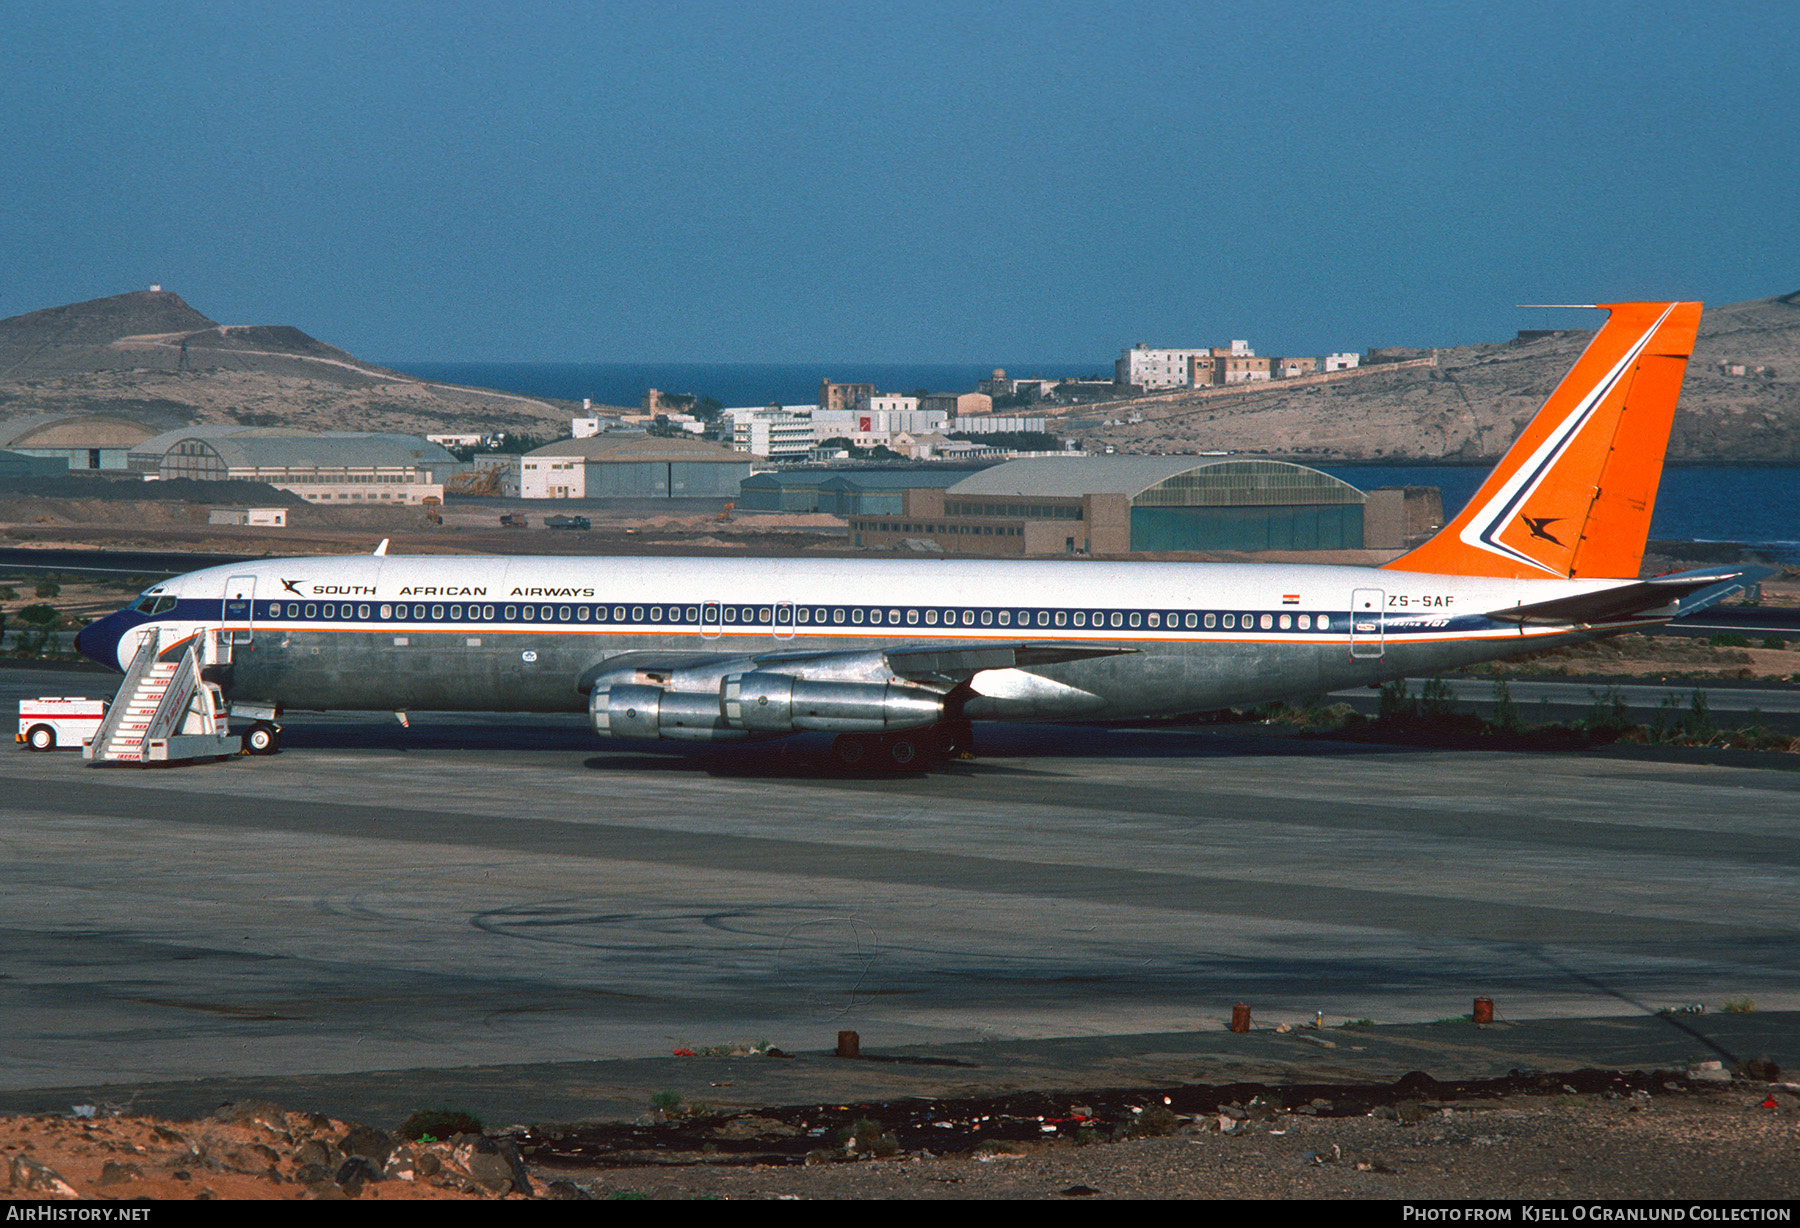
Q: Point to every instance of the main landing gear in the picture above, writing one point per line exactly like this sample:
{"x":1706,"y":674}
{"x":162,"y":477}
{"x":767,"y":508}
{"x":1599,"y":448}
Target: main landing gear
{"x":262,"y":738}
{"x":908,"y":749}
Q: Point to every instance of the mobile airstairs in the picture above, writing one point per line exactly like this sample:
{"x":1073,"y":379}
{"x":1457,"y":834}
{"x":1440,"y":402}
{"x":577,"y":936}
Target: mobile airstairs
{"x":165,"y":710}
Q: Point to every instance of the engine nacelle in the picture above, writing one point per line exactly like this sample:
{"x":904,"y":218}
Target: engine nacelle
{"x":628,"y":710}
{"x":782,"y":703}
{"x":760,"y":705}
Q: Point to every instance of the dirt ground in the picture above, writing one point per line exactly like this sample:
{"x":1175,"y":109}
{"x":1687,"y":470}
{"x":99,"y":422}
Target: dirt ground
{"x":1737,"y":1141}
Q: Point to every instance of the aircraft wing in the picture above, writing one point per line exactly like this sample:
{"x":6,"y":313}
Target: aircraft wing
{"x":1655,"y":600}
{"x":940,"y":664}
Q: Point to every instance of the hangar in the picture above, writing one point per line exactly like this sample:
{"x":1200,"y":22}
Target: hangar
{"x":839,"y":492}
{"x":84,"y":441}
{"x":1144,"y":504}
{"x":630,"y":466}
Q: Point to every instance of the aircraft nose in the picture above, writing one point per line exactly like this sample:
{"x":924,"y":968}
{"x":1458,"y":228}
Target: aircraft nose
{"x":99,"y":641}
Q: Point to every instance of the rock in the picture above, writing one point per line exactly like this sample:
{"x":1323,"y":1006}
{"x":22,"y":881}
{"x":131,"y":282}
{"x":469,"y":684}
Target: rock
{"x":1411,"y":1110}
{"x":113,"y":1173}
{"x":314,"y":1153}
{"x":566,"y":1191}
{"x":23,"y":1174}
{"x":354,"y":1173}
{"x":428,"y":1165}
{"x":369,"y":1143}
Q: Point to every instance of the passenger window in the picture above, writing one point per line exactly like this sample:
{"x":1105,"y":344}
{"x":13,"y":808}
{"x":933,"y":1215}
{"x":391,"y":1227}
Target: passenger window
{"x":312,"y":611}
{"x":1305,"y":621}
{"x":437,"y":612}
{"x":968,"y":618}
{"x":1192,"y":621}
{"x":1267,"y":622}
{"x":1155,"y":620}
{"x":802,"y":614}
{"x":894,"y":618}
{"x":562,"y":615}
{"x":487,"y":611}
{"x":931,"y":618}
{"x":765,"y":615}
{"x":1061,"y":618}
{"x":693,"y":614}
{"x":294,"y":610}
{"x":362,"y":611}
{"x":527,"y":613}
{"x":655,"y":613}
{"x":730,"y":613}
{"x":1081,"y":618}
{"x":274,"y":610}
{"x":1324,"y":623}
{"x":1006,"y":618}
{"x":1230,"y":621}
{"x":581,"y":613}
{"x":418,"y":611}
{"x":387,"y":611}
{"x":1135,"y":619}
{"x":618,"y":614}
{"x":1043,"y":618}
{"x":455,"y":611}
{"x":1210,"y":620}
{"x":512,"y":612}
{"x":1286,"y":622}
{"x":987,"y":618}
{"x":856,"y":615}
{"x":912,"y":617}
{"x":837,"y":616}
{"x":1117,"y":619}
{"x":637,"y":613}
{"x":1249,"y":621}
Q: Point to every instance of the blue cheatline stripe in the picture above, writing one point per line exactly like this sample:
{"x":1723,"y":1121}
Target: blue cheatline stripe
{"x":924,"y":622}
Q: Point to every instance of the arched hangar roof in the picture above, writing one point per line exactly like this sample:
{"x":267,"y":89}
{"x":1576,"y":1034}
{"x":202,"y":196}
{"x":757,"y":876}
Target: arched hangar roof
{"x":1161,"y":481}
{"x":71,"y":431}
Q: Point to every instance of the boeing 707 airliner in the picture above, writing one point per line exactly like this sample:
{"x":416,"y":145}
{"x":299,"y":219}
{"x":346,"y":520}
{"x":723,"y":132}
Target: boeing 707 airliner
{"x":898,"y":657}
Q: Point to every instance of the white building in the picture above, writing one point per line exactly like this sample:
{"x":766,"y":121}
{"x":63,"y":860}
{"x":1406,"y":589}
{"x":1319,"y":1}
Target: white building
{"x":994,"y":424}
{"x":876,"y":428}
{"x":1149,"y":369}
{"x":1342,"y":362}
{"x":893,"y":403}
{"x":779,"y":432}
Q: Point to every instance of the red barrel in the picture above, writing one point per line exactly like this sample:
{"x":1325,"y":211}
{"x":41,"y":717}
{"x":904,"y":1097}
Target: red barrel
{"x":849,"y":1044}
{"x":1240,"y":1017}
{"x":1484,"y":1009}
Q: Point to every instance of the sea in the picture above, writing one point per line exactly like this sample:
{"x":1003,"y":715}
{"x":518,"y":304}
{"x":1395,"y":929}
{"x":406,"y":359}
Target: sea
{"x":1756,"y":506}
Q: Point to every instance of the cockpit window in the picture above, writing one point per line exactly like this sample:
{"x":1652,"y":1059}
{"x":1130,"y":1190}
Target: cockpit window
{"x":142,"y":604}
{"x":163,"y":605}
{"x":152,"y":604}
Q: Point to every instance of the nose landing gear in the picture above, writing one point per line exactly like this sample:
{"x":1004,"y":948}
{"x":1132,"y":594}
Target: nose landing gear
{"x":262,"y":738}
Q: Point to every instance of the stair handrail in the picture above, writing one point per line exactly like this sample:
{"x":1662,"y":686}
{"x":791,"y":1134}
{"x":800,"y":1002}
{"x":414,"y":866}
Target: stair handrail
{"x":172,"y":710}
{"x":141,"y":663}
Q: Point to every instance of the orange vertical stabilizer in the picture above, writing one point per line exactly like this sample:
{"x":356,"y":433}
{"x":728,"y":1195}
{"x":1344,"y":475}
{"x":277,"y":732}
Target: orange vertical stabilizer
{"x":1572,"y":497}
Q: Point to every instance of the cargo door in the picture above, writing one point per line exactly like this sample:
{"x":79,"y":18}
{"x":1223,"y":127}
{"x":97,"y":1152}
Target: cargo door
{"x":238,"y":616}
{"x":1366,"y":630}
{"x":709,"y":621}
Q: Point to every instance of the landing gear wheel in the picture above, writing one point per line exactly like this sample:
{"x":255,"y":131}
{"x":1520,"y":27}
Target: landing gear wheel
{"x":262,"y":738}
{"x":951,"y":739}
{"x":903,"y":751}
{"x":40,"y":737}
{"x":850,"y":750}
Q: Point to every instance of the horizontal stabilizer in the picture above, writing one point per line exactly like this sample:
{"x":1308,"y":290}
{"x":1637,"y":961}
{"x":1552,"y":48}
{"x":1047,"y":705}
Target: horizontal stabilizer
{"x":1654,"y":600}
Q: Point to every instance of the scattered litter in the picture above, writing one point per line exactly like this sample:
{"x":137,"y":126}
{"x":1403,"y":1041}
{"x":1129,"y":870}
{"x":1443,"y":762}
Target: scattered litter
{"x":83,"y":1110}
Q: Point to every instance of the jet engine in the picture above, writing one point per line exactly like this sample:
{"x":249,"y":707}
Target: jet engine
{"x":761,"y":704}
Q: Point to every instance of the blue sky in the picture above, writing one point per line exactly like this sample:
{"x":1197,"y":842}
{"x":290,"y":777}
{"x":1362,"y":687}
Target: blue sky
{"x":896,"y":182}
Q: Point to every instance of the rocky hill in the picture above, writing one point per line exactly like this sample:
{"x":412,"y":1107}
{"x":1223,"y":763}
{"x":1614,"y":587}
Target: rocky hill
{"x":1741,"y":401}
{"x":149,"y":355}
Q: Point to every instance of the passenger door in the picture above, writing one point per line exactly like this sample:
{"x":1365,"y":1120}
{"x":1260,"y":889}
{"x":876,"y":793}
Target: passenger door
{"x":1366,"y":631}
{"x":238,"y":615}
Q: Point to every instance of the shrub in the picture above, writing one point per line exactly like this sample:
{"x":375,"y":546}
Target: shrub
{"x":1729,"y":639}
{"x":8,"y":593}
{"x":40,"y":615}
{"x":49,"y":588}
{"x":438,"y":1124}
{"x":1775,"y":641}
